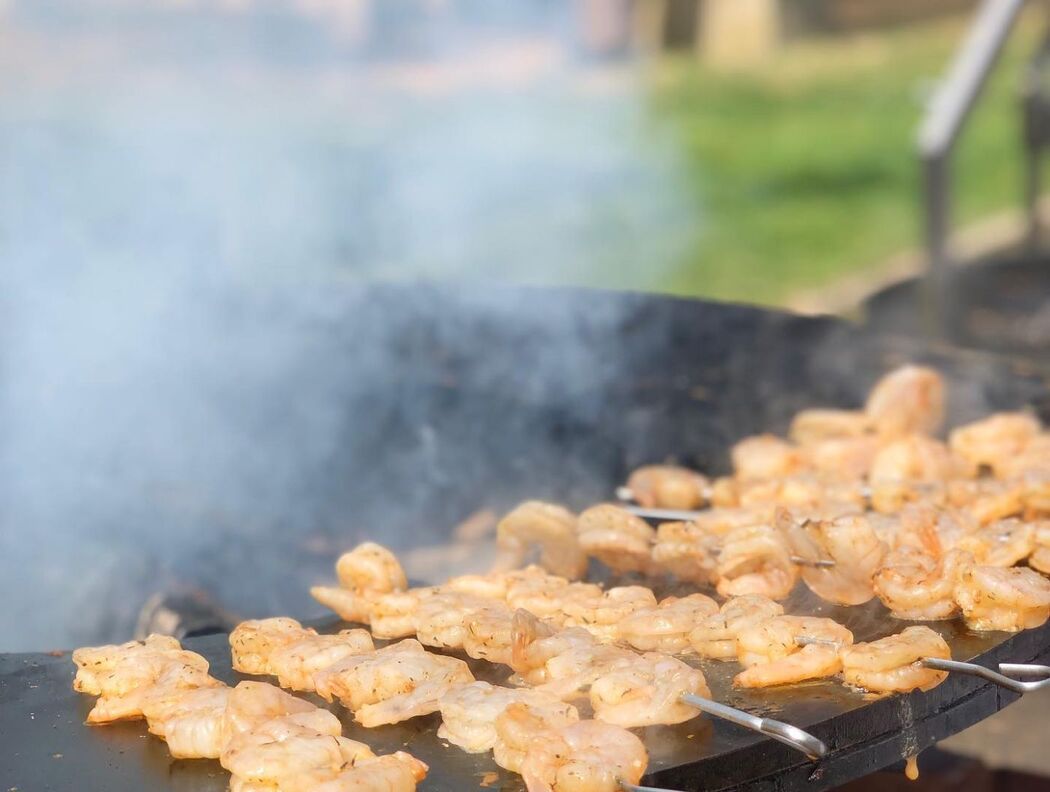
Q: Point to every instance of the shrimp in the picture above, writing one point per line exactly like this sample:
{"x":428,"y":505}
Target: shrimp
{"x":847,"y":457}
{"x":932,"y":530}
{"x":994,"y":598}
{"x":668,"y":487}
{"x":190,"y":721}
{"x":370,"y":567}
{"x":127,"y":700}
{"x":392,"y":684}
{"x":912,"y":468}
{"x":666,"y":627}
{"x":810,"y":427}
{"x":647,"y":691}
{"x":848,"y":541}
{"x":521,"y":722}
{"x":587,"y":756}
{"x":987,"y":500}
{"x":252,"y":704}
{"x":804,"y":491}
{"x":115,"y":670}
{"x":393,"y":615}
{"x":765,"y":457}
{"x":252,"y":642}
{"x":548,"y":527}
{"x":469,"y":712}
{"x":602,"y":615}
{"x":296,"y":663}
{"x":1001,"y":544}
{"x":715,"y":636}
{"x":396,"y":772}
{"x":722,"y":521}
{"x":994,"y":442}
{"x":490,"y":634}
{"x":1040,"y":558}
{"x":893,"y":664}
{"x":562,"y":662}
{"x":908,"y":400}
{"x":617,"y":538}
{"x":686,"y":551}
{"x":350,"y":606}
{"x":441,"y":619}
{"x":756,"y":560}
{"x":774,"y":657}
{"x":547,"y":598}
{"x":283,"y":750}
{"x":920,"y":587}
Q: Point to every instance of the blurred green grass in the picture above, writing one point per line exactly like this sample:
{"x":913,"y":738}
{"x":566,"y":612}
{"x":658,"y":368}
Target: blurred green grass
{"x":805,"y":169}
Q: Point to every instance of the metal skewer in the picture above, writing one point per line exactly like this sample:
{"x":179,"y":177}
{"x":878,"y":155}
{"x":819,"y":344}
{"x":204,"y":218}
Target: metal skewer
{"x":998,"y":677}
{"x":782,"y":732}
{"x":628,"y":787}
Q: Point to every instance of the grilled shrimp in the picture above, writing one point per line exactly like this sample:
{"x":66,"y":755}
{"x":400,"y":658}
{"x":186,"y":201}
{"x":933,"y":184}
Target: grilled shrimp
{"x":848,"y":541}
{"x":602,"y":615}
{"x":469,"y":712}
{"x":117,"y":669}
{"x":394,"y":615}
{"x":756,"y":560}
{"x":932,"y":530}
{"x":1040,"y":558}
{"x":666,"y":627}
{"x":647,"y":691}
{"x":350,"y":606}
{"x":617,"y":538}
{"x":773,"y":656}
{"x":994,"y":442}
{"x":544,"y":526}
{"x":668,"y":487}
{"x":892,"y":664}
{"x":722,"y":521}
{"x":284,"y":750}
{"x":994,"y":598}
{"x":765,"y":457}
{"x":441,"y":619}
{"x":563,"y":661}
{"x":127,"y":700}
{"x":920,"y":587}
{"x":912,"y":468}
{"x":521,"y":722}
{"x":392,"y":684}
{"x":811,"y":427}
{"x":490,"y":634}
{"x":846,"y":457}
{"x":1001,"y":544}
{"x":587,"y":756}
{"x":908,"y":400}
{"x":396,"y":772}
{"x":987,"y":500}
{"x":253,"y":642}
{"x":686,"y":551}
{"x":370,"y":567}
{"x":252,"y":704}
{"x":296,"y":663}
{"x":715,"y":636}
{"x":190,"y":721}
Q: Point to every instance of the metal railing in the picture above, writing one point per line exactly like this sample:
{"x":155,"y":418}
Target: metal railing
{"x":945,"y":118}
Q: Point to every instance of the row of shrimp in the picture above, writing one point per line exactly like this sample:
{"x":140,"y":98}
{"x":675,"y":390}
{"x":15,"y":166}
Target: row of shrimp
{"x":531,"y":731}
{"x":268,"y":740}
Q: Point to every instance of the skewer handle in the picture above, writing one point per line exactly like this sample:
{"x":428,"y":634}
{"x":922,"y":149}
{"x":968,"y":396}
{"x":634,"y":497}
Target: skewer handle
{"x":1019,"y":669}
{"x":783,"y":732}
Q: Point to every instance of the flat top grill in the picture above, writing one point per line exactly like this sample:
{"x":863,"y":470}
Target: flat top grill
{"x":47,"y":746}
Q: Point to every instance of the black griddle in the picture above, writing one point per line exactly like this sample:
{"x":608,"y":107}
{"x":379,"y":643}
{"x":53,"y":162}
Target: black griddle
{"x":46,"y":746}
{"x":456,"y":399}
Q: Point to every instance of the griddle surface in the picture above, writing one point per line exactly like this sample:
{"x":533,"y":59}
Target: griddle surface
{"x":46,"y":746}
